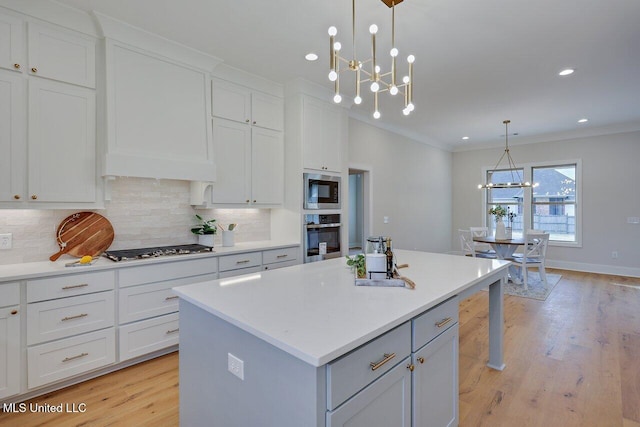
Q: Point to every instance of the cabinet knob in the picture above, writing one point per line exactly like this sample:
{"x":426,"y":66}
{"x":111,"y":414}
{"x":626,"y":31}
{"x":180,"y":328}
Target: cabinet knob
{"x":14,"y":312}
{"x":34,"y":197}
{"x":16,"y":196}
{"x":246,"y":121}
{"x":16,"y":66}
{"x":410,"y":367}
{"x":421,"y":360}
{"x":247,"y":200}
{"x":254,"y":122}
{"x":34,"y":70}
{"x":254,"y":201}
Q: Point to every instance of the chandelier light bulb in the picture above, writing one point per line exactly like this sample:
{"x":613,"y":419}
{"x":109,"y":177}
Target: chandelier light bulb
{"x":376,"y":114}
{"x":337,"y":46}
{"x":373,"y":29}
{"x":405,"y":80}
{"x":357,"y":100}
{"x":411,"y":107}
{"x":406,"y":111}
{"x":393,"y":90}
{"x":528,"y":184}
{"x":337,"y":98}
{"x":375,"y":87}
{"x":377,"y":69}
{"x":333,"y":76}
{"x":333,"y":31}
{"x":411,"y":59}
{"x":394,"y":52}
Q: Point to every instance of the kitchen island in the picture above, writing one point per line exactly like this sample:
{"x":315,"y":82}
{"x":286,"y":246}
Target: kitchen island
{"x":304,"y":346}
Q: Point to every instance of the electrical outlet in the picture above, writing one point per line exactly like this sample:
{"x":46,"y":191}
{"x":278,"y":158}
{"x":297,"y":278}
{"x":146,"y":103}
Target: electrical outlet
{"x":385,"y":220}
{"x":614,"y":254}
{"x":6,"y":241}
{"x":235,"y":366}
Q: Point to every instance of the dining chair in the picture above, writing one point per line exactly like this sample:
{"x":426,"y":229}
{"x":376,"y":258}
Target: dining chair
{"x":482,"y":248}
{"x":468,"y":247}
{"x":534,"y":255}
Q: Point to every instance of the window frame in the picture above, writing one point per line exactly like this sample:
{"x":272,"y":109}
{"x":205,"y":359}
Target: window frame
{"x":527,"y":203}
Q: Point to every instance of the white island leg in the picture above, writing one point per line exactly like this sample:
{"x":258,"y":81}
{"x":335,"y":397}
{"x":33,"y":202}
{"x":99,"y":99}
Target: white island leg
{"x":496,"y":324}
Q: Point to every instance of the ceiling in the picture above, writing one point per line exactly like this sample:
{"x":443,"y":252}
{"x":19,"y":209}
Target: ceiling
{"x":477,"y":62}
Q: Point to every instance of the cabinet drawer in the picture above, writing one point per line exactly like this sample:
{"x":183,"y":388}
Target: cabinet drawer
{"x":9,"y":294}
{"x":434,"y":322}
{"x":137,"y":339}
{"x":140,"y":275}
{"x":352,"y":372}
{"x":279,"y":255}
{"x":50,"y":320}
{"x":62,"y":359}
{"x":66,"y":286}
{"x":232,"y":262}
{"x":239,"y":271}
{"x":143,"y":302}
{"x":283,"y":264}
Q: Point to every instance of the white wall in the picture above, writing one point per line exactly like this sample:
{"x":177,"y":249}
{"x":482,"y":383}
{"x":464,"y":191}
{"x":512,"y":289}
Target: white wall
{"x":144,"y":213}
{"x":610,"y":194}
{"x":411,"y":185}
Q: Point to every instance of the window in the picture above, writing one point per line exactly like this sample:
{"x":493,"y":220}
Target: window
{"x":553,"y":201}
{"x":552,"y":205}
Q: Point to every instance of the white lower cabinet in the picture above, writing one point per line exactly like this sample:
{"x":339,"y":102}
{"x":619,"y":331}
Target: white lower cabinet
{"x":140,"y":338}
{"x":279,"y":258}
{"x":10,"y":361}
{"x":234,"y":265}
{"x":385,"y":402}
{"x":64,"y":358}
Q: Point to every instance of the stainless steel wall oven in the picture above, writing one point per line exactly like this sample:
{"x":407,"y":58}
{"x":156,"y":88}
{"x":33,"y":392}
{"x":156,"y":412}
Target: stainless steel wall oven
{"x":322,"y":237}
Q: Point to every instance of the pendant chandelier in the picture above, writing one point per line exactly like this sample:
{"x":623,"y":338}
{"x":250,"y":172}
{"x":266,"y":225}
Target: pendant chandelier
{"x":516,"y":178}
{"x":380,"y":82}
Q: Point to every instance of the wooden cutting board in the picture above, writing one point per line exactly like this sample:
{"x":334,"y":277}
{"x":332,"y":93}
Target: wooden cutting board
{"x":83,"y":233}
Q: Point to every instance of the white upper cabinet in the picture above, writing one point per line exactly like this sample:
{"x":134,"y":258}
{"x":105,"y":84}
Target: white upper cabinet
{"x":158,"y":106}
{"x":62,"y":55}
{"x":13,"y":146}
{"x":322,"y":129}
{"x":11,"y":43}
{"x":249,"y":146}
{"x":241,"y":104}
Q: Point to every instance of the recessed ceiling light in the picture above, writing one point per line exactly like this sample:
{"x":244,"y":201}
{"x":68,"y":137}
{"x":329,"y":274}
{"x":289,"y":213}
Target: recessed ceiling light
{"x":311,"y":56}
{"x":566,"y":72}
{"x":583,"y":120}
{"x":465,"y":137}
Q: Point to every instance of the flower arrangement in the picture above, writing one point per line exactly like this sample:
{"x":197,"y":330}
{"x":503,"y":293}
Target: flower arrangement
{"x":358,"y":263}
{"x":511,"y":216}
{"x":498,"y":211}
{"x":205,"y":226}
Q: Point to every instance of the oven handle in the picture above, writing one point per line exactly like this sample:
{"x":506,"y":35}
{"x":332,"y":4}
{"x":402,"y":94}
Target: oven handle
{"x":322,"y":225}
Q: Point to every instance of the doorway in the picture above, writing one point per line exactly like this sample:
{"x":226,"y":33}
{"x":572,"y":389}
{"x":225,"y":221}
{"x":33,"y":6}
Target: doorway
{"x":359,"y":208}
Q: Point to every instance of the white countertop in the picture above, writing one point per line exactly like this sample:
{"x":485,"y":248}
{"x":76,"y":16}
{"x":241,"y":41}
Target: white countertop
{"x":28,"y":270}
{"x":316,"y":313}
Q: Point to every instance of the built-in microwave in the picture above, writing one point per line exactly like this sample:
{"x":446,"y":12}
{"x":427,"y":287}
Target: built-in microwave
{"x":321,"y":191}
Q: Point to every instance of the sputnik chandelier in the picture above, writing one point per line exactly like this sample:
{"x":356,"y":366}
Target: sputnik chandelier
{"x":516,"y":178}
{"x":380,"y":82}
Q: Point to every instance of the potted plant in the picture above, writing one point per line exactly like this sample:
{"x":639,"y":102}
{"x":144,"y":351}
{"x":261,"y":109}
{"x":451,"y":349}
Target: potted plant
{"x":205,"y":231}
{"x":357,"y":263}
{"x":499,"y":212}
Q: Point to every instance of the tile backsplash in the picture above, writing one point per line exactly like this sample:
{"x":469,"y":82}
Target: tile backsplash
{"x":144,"y":212}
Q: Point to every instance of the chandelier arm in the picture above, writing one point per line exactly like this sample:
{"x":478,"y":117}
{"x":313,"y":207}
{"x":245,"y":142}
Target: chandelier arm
{"x":353,"y":27}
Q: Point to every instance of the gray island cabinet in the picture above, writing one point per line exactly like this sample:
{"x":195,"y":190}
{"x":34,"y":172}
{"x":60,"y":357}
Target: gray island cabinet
{"x":304,"y":346}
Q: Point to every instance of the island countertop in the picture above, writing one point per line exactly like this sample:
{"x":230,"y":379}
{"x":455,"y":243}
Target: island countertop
{"x":316,"y":313}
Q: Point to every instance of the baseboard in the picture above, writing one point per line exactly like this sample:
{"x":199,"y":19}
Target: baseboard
{"x":594,"y":268}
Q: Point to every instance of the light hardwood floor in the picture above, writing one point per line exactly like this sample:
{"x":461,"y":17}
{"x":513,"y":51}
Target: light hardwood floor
{"x":572,"y":360}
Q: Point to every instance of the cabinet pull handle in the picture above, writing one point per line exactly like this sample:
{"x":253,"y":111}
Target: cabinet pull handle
{"x":34,"y":69}
{"x":244,"y":261}
{"x":34,"y":197}
{"x":411,"y":367}
{"x":68,"y":359}
{"x":14,"y":312}
{"x":170,"y":298}
{"x":82,"y":285}
{"x":443,"y":322}
{"x":16,"y":196}
{"x":282,"y":256}
{"x":421,"y":360}
{"x":172,"y":331}
{"x":79,"y":316}
{"x":16,"y":66}
{"x":387,"y":357}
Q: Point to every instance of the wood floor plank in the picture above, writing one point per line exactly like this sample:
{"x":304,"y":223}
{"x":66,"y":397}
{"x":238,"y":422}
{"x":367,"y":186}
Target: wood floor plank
{"x":572,"y":361}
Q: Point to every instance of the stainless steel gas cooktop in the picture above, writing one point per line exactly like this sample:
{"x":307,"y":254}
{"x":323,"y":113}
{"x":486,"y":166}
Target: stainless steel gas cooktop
{"x":131,"y":254}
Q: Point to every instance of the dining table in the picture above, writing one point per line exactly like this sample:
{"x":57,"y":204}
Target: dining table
{"x":504,"y":250}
